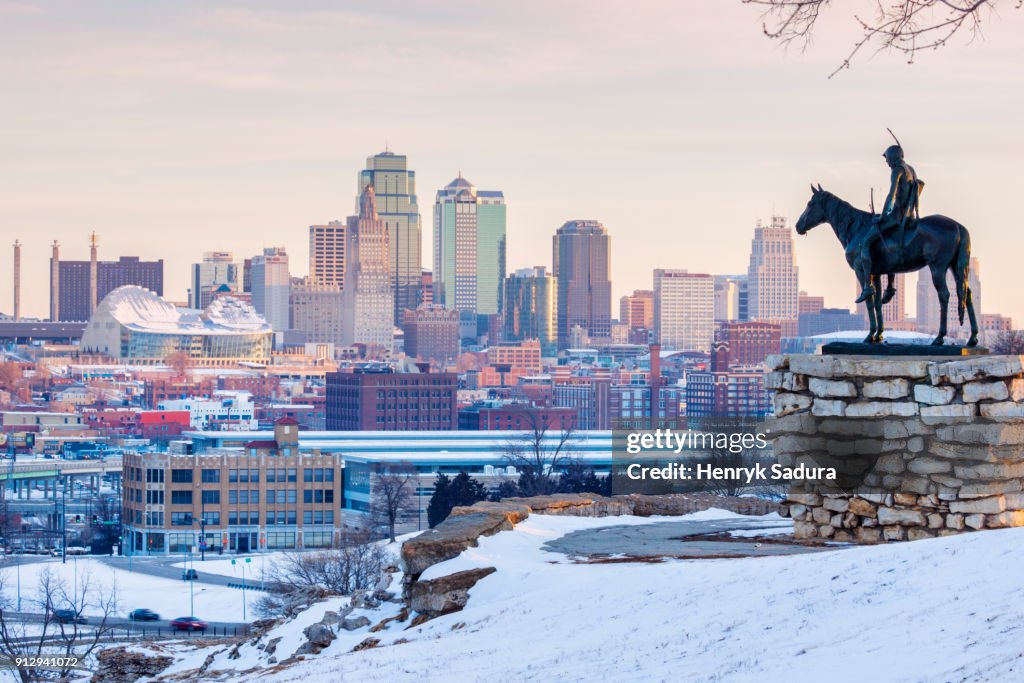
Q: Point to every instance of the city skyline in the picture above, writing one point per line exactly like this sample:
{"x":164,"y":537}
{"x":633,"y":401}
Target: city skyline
{"x":250,"y":150}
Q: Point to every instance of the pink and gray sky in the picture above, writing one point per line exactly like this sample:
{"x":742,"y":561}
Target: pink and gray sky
{"x":173,"y":128}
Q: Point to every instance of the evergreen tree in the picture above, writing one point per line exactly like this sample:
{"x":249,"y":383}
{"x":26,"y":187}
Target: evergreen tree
{"x":440,"y":503}
{"x":465,"y":490}
{"x":506,"y":489}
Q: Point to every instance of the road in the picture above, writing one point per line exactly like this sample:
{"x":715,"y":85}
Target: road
{"x":124,"y":622}
{"x":163,"y":567}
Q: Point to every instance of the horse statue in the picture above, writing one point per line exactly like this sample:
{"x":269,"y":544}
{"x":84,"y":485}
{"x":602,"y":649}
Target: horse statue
{"x":938,"y":242}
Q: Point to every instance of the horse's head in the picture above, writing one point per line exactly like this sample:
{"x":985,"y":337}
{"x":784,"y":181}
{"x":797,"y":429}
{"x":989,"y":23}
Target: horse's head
{"x":814,"y":214}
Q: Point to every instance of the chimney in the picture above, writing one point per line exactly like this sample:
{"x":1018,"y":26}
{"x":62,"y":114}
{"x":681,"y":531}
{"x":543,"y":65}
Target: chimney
{"x":55,"y":283}
{"x":655,"y":381}
{"x":93,"y":273}
{"x":17,"y":280}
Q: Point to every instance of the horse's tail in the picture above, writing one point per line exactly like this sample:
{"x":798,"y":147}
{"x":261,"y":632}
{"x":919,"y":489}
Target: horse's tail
{"x":961,"y":272}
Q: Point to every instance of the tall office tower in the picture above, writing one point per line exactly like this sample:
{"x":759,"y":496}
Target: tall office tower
{"x":928,"y":302}
{"x":271,"y":285}
{"x":810,"y":305}
{"x":469,"y":247}
{"x":316,"y":309}
{"x":217,"y":269}
{"x":684,"y":310}
{"x":529,"y":308}
{"x":395,"y":189}
{"x":327,"y":253}
{"x":17,"y":280}
{"x":636,"y":310}
{"x":895,"y":311}
{"x":581,"y":255}
{"x":772,"y":289}
{"x":728,"y":292}
{"x":368,"y":298}
{"x":75,"y":285}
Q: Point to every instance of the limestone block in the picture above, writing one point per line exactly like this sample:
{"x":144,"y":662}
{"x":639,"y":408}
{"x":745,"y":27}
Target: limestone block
{"x":915,"y":444}
{"x":804,"y":530}
{"x":836,"y":521}
{"x":979,"y":367}
{"x":886,"y":388}
{"x":1005,"y":519}
{"x":985,"y":434}
{"x":836,"y":504}
{"x":919,"y":534}
{"x":861,"y":507}
{"x":992,"y":505}
{"x":804,"y":498}
{"x":957,"y":410}
{"x":841,"y":448}
{"x":881,"y":409}
{"x":1015,"y":501}
{"x":773,"y":380}
{"x":776,"y":361}
{"x":973,"y":490}
{"x":1002,"y":409}
{"x":890,"y":464}
{"x":826,"y":530}
{"x":829,"y":367}
{"x":1017,"y":389}
{"x":821,"y":515}
{"x":975,"y":521}
{"x":928,"y":466}
{"x":936,"y":396}
{"x":797,"y":423}
{"x":868,"y":522}
{"x":955,"y":521}
{"x":904,"y":498}
{"x":998,"y":470}
{"x":918,"y":485}
{"x":842,"y":536}
{"x":947,"y":482}
{"x":797,"y":512}
{"x":849,"y":520}
{"x":935,"y":521}
{"x":827,"y":408}
{"x":867,"y":535}
{"x":985,"y":391}
{"x":887,"y":516}
{"x":825,"y":388}
{"x":786,"y":403}
{"x":893,"y":533}
{"x":794,"y":382}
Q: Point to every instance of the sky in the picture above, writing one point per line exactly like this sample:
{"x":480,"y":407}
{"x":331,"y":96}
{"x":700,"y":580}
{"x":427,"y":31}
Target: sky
{"x":174,"y":128}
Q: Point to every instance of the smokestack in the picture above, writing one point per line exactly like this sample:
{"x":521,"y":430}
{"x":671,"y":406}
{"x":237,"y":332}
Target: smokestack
{"x":93,"y":275}
{"x":55,"y":283}
{"x":17,"y":280}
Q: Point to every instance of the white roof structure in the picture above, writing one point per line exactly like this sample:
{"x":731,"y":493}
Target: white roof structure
{"x":141,"y":310}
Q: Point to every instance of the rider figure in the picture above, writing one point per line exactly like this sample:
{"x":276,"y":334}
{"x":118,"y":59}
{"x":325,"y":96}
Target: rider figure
{"x":900,"y":207}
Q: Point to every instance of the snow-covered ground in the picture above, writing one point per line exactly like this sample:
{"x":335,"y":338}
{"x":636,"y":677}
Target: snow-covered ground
{"x":949,"y":609}
{"x":167,"y":597}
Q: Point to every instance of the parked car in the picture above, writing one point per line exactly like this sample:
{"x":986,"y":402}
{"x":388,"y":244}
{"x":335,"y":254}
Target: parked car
{"x":143,"y":614}
{"x":189,"y":575}
{"x":77,"y":550}
{"x":69,"y":616}
{"x":189,"y":624}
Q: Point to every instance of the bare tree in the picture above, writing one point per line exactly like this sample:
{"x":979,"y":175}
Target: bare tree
{"x":540,"y":452}
{"x":906,"y":26}
{"x":53,"y":630}
{"x":178,"y":362}
{"x":1009,"y":343}
{"x":393,"y":488}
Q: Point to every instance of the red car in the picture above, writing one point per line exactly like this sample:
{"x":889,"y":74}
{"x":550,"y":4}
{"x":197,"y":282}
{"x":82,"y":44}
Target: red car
{"x":189,"y":624}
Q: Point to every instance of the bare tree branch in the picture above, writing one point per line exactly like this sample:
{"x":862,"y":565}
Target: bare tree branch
{"x":906,"y":26}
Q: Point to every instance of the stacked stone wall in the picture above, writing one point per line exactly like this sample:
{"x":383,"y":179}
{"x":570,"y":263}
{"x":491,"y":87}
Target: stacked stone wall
{"x":925,"y":446}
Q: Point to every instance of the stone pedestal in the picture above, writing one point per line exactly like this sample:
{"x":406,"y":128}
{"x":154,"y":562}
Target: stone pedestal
{"x":923,"y":447}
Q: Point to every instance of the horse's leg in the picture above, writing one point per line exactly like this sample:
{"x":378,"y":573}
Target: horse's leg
{"x":939,"y":282}
{"x":876,"y":301}
{"x":871,"y":312}
{"x":973,"y":341}
{"x":890,"y":291}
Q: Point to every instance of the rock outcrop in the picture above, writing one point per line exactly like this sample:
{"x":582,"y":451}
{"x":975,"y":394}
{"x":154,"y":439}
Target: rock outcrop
{"x":445,"y":594}
{"x":121,"y":665}
{"x":449,"y":538}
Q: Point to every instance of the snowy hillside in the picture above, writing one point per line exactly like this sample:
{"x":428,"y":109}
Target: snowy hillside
{"x":947,"y":609}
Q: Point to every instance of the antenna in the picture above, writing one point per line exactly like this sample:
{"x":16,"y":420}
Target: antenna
{"x":894,"y":137}
{"x":872,"y":200}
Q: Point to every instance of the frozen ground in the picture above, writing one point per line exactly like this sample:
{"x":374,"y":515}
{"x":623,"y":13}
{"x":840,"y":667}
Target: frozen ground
{"x":167,"y":597}
{"x":949,"y":609}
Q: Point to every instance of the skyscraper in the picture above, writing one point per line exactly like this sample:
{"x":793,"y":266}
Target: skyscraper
{"x":730,"y":297}
{"x":469,"y":247}
{"x":368,"y":298}
{"x":529,"y":308}
{"x":271,"y":285}
{"x":395,"y":189}
{"x":684,"y":310}
{"x":316,"y":309}
{"x":772,"y":289}
{"x":327,"y":253}
{"x":928,"y":302}
{"x":582,"y":265}
{"x":636,"y":310}
{"x":216,"y":269}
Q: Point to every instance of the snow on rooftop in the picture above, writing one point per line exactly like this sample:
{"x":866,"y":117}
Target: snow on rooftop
{"x":139,"y":309}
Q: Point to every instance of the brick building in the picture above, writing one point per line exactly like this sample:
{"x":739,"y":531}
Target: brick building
{"x":376,"y":398}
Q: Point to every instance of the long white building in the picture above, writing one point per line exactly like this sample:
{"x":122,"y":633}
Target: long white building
{"x":684,"y":310}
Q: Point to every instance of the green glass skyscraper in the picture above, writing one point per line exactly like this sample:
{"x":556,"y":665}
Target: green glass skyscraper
{"x":469,"y":248}
{"x":394,"y":187}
